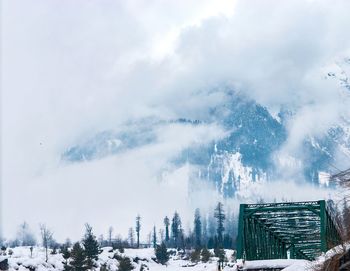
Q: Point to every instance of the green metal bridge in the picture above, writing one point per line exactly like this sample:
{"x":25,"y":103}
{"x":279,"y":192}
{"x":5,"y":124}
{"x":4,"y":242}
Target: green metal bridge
{"x":295,"y":230}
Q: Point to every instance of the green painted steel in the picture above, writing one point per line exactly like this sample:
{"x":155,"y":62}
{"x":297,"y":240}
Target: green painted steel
{"x":302,"y":230}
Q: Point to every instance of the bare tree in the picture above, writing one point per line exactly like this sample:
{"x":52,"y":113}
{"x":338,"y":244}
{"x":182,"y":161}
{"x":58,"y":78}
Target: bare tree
{"x":46,"y":238}
{"x":149,"y":239}
{"x":343,"y":179}
{"x":161,"y":235}
{"x":110,"y":234}
{"x":131,"y":237}
{"x":342,"y":218}
{"x":25,"y":235}
{"x":138,"y":229}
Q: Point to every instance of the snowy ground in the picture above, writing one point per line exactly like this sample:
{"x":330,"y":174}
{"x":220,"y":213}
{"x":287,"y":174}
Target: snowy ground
{"x":21,"y":260}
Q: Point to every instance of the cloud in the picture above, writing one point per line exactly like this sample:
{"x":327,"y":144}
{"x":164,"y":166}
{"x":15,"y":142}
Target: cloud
{"x":72,"y":69}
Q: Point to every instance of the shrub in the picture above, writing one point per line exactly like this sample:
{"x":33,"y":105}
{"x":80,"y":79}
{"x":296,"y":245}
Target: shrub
{"x":195,"y":256}
{"x":125,"y":264}
{"x":162,"y":253}
{"x":205,"y":255}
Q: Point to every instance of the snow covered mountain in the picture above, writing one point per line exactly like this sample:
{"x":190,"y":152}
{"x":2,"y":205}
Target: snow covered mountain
{"x":247,"y":154}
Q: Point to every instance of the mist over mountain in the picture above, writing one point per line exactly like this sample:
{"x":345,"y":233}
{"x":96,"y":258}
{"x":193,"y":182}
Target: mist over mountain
{"x":248,"y":153}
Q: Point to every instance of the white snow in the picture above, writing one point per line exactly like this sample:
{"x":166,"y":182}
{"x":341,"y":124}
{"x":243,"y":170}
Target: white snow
{"x":22,"y":261}
{"x":243,"y":175}
{"x":324,"y":178}
{"x":278,"y":263}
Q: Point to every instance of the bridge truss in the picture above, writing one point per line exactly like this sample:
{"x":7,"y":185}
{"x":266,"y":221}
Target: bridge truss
{"x":300,"y":230}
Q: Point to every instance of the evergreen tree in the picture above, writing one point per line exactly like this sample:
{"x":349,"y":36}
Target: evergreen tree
{"x":167,"y":223}
{"x":181,"y":239}
{"x":138,"y":229}
{"x":195,"y":255}
{"x":211,"y":242}
{"x":220,"y":219}
{"x":230,"y":229}
{"x":204,"y":231}
{"x":211,"y":225}
{"x":78,"y":258}
{"x":65,"y":253}
{"x":175,"y":229}
{"x":227,"y":242}
{"x":154,"y":237}
{"x":91,"y":247}
{"x":197,"y":229}
{"x":220,"y":253}
{"x":125,"y":264}
{"x":205,"y":255}
{"x":162,"y":254}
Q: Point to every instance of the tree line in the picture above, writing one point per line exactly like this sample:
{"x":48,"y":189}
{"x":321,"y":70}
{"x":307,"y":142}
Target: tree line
{"x":211,"y":230}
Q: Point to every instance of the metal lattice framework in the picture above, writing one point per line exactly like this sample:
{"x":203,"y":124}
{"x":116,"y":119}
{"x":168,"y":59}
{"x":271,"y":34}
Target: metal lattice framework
{"x":273,"y":230}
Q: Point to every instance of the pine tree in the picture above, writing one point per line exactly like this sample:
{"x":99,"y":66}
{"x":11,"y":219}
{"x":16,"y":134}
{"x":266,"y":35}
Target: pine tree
{"x":138,"y":229}
{"x":154,"y":237}
{"x":205,"y":255}
{"x":220,"y":219}
{"x":162,"y":254}
{"x":65,"y":253}
{"x":181,"y":239}
{"x":78,"y":258}
{"x":195,"y":255}
{"x":220,"y":253}
{"x":175,"y":228}
{"x":167,"y":223}
{"x":197,"y":228}
{"x":204,"y":230}
{"x":125,"y":264}
{"x":91,"y":247}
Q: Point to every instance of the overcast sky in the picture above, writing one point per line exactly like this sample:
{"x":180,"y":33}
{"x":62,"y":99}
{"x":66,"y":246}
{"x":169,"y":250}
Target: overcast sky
{"x":71,"y":69}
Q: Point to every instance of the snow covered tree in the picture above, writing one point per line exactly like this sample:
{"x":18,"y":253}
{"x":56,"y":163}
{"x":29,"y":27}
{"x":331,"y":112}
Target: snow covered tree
{"x":219,"y":214}
{"x":162,"y":254}
{"x":46,"y":238}
{"x":138,"y":229}
{"x":167,"y":223}
{"x":78,"y":258}
{"x":125,"y":264}
{"x":91,"y":247}
{"x":197,"y":229}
